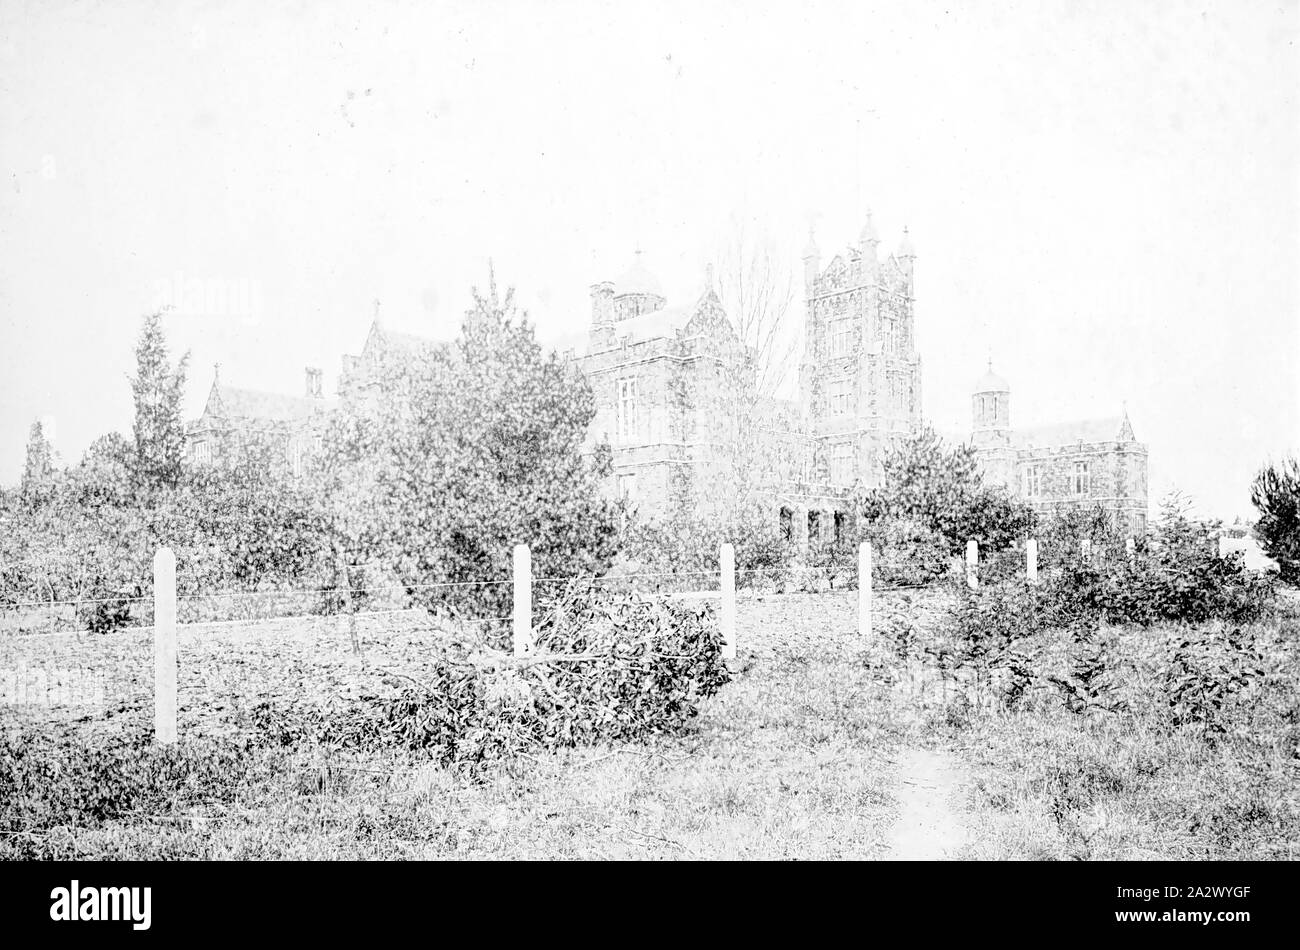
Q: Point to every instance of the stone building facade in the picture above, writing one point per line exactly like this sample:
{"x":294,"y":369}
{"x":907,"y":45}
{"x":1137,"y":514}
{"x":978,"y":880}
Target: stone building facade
{"x":1073,"y":465}
{"x":297,"y":422}
{"x":294,"y":423}
{"x":860,"y":377}
{"x":677,"y":402}
{"x":669,"y":384}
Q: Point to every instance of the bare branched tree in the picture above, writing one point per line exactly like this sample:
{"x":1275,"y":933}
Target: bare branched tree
{"x":756,"y":287}
{"x":757,"y":290}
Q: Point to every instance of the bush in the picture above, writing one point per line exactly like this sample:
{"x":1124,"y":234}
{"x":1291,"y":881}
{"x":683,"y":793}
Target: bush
{"x":688,"y":547}
{"x":79,"y":781}
{"x":624,"y":668}
{"x":906,"y":553}
{"x":941,"y":489}
{"x":1177,"y":575}
{"x":1205,"y":676}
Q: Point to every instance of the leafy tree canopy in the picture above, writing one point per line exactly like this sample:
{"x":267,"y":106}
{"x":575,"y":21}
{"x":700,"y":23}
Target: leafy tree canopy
{"x":1276,"y":493}
{"x":940,"y":489}
{"x":472,"y":448}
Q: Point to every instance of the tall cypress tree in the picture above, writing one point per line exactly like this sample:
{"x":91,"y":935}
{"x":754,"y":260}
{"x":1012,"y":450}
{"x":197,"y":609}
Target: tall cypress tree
{"x":157,"y":389}
{"x":38,"y":472}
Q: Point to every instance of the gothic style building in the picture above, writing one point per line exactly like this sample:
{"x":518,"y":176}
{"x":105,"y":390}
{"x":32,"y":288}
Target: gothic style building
{"x":675,"y":390}
{"x":860,"y":377}
{"x":1092,"y":463}
{"x":230,"y":412}
{"x":296,"y":422}
{"x":676,"y":396}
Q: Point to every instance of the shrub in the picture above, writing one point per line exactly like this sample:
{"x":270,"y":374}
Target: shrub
{"x":1178,"y":575}
{"x":1276,"y":493}
{"x":79,"y":780}
{"x":906,"y":553}
{"x":688,"y":546}
{"x":1061,"y":536}
{"x":1205,"y":675}
{"x":608,"y":667}
{"x":941,"y":489}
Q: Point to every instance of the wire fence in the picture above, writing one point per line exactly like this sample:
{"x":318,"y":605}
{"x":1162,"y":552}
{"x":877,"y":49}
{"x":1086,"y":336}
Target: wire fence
{"x":392,"y":619}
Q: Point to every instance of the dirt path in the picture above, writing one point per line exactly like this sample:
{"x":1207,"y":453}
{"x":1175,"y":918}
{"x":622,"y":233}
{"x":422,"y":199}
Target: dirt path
{"x":929,"y":828}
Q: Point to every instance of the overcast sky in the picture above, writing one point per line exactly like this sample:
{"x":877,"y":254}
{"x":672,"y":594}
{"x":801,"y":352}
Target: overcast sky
{"x":1103,"y":196}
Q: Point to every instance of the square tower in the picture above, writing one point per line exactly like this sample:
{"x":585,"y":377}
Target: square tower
{"x":860,"y":377}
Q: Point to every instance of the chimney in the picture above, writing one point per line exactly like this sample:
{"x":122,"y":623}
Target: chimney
{"x":602,"y":304}
{"x":313,"y":382}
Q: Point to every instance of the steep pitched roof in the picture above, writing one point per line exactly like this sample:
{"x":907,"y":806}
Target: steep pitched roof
{"x":233,"y":402}
{"x":391,"y":339}
{"x":653,"y":326}
{"x":1108,"y":429}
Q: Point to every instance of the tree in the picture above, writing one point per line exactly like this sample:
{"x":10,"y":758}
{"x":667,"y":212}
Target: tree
{"x":103,"y":476}
{"x":38,"y":471}
{"x":1276,"y":493}
{"x":941,"y":490}
{"x":757,"y":293}
{"x":475,"y":447}
{"x":157,"y":389}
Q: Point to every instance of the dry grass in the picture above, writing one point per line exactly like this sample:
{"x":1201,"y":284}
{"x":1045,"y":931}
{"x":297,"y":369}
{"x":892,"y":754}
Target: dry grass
{"x":796,"y":758}
{"x":793,"y":759}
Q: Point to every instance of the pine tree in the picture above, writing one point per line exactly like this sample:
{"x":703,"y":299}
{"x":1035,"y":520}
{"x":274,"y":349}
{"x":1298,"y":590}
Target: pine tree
{"x":1276,"y":493}
{"x":157,"y":390}
{"x":38,"y":472}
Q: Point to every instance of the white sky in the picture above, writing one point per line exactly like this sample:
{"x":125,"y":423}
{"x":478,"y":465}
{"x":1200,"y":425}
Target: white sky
{"x":1103,"y":195}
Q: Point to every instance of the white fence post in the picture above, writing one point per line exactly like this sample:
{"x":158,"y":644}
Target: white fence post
{"x":1031,"y":560}
{"x":1129,"y":548}
{"x":523,"y":612}
{"x":972,"y":561}
{"x":164,"y":646}
{"x":1085,"y":550}
{"x":727,"y":565}
{"x":864,"y":589}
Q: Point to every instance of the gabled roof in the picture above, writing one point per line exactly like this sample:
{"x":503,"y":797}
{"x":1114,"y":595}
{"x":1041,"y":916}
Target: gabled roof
{"x":404,"y":342}
{"x":236,"y":403}
{"x":653,"y":326}
{"x":1108,"y":429}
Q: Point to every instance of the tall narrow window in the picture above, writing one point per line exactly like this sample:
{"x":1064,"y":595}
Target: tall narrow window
{"x":842,"y":464}
{"x":839,"y":397}
{"x":202,"y":452}
{"x":1033,"y":481}
{"x":627,"y":486}
{"x":841,"y":337}
{"x":629,"y":412}
{"x":814,"y":525}
{"x":889,"y":335}
{"x":1082,"y":478}
{"x":839,"y":527}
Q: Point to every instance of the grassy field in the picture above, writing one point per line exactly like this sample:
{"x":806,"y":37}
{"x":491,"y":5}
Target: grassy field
{"x":798,"y":757}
